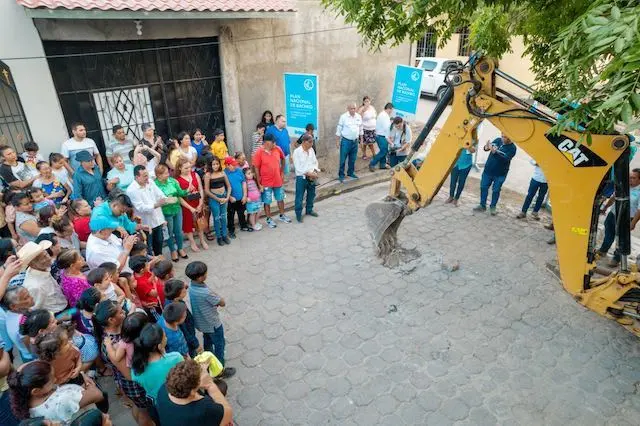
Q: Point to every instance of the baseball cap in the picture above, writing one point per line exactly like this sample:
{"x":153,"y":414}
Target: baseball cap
{"x":84,"y":156}
{"x":230,"y":161}
{"x":100,"y":223}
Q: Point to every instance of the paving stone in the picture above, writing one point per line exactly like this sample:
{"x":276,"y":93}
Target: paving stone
{"x":296,"y":390}
{"x":338,"y":386}
{"x":272,"y":403}
{"x":250,"y":396}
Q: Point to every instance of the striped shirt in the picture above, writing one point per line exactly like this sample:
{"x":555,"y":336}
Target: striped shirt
{"x":204,"y":307}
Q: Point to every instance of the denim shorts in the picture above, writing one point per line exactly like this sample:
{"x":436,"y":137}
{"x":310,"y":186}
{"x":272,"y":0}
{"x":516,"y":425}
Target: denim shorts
{"x":253,"y":207}
{"x":270,"y":193}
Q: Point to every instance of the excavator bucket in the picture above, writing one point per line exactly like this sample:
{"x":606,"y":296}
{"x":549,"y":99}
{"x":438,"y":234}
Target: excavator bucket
{"x":383,"y":219}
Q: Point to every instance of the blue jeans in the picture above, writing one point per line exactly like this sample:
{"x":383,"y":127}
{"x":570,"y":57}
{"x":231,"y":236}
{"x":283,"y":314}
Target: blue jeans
{"x":214,"y":342}
{"x":458,"y":178}
{"x":219,"y":213}
{"x":396,"y":159}
{"x":609,"y":232}
{"x":485,"y":183}
{"x":304,"y":185}
{"x":174,"y":226}
{"x":381,"y":157}
{"x":535,"y":186}
{"x":348,"y":151}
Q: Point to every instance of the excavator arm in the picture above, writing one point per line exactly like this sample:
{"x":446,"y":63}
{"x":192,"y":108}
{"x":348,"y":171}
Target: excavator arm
{"x":574,"y":171}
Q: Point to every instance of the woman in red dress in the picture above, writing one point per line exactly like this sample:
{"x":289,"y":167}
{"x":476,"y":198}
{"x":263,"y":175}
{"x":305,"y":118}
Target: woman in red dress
{"x":192,"y":204}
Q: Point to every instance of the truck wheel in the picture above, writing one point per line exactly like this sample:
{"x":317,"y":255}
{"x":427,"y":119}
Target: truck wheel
{"x":440,"y":93}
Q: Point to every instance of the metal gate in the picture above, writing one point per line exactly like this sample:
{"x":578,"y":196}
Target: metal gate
{"x":14,"y":129}
{"x":175,"y":84}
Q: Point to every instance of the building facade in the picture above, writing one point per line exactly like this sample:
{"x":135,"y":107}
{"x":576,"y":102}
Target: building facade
{"x":218,"y":64}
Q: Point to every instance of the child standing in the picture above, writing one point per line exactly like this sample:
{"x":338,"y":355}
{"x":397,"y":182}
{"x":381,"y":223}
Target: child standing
{"x":219,"y":147}
{"x":125,"y":281}
{"x":176,"y":291}
{"x":31,"y":156}
{"x":59,"y":168}
{"x":242,"y":160}
{"x":237,"y":198}
{"x":162,"y":271}
{"x":56,"y":348}
{"x":173,"y":316}
{"x":253,"y":200}
{"x":204,"y":304}
{"x":100,"y":278}
{"x":145,"y":287}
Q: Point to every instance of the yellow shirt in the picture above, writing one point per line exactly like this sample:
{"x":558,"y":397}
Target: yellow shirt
{"x":219,"y":149}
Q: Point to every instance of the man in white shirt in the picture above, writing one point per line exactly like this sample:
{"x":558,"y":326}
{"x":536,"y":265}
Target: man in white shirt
{"x":80,"y":142}
{"x":349,"y":133}
{"x":383,"y":127}
{"x":42,"y":286}
{"x":103,"y":246}
{"x":147,"y":200}
{"x":306,"y":167}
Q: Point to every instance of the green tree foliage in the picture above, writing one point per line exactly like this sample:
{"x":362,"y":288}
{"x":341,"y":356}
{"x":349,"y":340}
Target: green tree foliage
{"x":584,"y":52}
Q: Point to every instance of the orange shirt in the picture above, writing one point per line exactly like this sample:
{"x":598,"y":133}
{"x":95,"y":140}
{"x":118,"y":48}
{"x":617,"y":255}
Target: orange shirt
{"x":269,"y":165}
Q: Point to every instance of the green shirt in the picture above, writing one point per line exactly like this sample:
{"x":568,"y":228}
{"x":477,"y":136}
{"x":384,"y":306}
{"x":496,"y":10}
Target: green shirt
{"x":155,"y":374}
{"x":171,"y":188}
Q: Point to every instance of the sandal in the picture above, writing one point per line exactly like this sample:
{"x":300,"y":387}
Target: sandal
{"x":211,"y":236}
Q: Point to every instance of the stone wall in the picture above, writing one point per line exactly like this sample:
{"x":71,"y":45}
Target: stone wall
{"x":316,"y":42}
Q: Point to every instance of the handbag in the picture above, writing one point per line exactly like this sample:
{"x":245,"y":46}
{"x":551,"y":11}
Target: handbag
{"x":201,"y":221}
{"x":192,"y":196}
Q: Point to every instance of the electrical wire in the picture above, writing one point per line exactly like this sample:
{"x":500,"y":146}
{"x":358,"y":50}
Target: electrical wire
{"x":183,"y":46}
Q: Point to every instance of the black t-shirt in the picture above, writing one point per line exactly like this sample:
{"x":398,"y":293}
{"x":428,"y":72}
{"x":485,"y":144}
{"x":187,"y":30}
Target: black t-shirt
{"x":18,"y":172}
{"x":202,"y":412}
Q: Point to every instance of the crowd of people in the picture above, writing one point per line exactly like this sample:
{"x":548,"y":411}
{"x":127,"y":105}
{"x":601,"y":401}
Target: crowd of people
{"x":88,"y":290}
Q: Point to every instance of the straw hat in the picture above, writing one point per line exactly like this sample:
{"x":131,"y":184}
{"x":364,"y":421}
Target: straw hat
{"x":30,"y":251}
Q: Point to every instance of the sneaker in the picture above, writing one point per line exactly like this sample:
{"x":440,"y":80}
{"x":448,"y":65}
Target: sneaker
{"x":521,"y":215}
{"x":270,"y":223}
{"x":455,"y":202}
{"x":341,"y":179}
{"x":479,"y":208}
{"x":549,"y":226}
{"x":257,"y":227}
{"x":249,"y":229}
{"x":449,"y":200}
{"x":232,"y":235}
{"x":354,"y":176}
{"x":227,"y":372}
{"x":535,"y":216}
{"x":226,"y":240}
{"x":284,"y":218}
{"x":219,"y":240}
{"x":493,"y":211}
{"x":312,"y":214}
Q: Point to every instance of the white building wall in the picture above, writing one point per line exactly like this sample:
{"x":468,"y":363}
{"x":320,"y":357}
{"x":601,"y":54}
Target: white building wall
{"x":32,"y":77}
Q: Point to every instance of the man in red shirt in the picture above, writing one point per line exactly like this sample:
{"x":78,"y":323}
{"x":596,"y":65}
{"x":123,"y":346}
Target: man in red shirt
{"x":268,"y":166}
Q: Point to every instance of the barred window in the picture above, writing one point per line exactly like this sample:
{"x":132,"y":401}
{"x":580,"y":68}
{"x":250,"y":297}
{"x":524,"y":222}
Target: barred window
{"x":464,"y":49}
{"x":427,"y":45}
{"x":14,"y":129}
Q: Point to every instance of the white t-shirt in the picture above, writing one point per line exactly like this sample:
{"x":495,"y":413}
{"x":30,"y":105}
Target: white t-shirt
{"x":369,"y":119}
{"x":100,"y":251}
{"x":71,"y":147}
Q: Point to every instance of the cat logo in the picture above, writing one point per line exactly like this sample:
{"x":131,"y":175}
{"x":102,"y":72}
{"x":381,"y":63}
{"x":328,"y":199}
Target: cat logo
{"x":579,"y":155}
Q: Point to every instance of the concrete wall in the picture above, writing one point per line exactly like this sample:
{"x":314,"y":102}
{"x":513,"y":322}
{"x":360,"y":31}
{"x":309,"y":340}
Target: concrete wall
{"x":346,"y":70}
{"x":19,"y":39}
{"x":114,"y":30}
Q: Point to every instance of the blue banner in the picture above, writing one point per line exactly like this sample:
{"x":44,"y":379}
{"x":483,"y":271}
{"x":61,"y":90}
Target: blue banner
{"x":301,"y":102}
{"x":406,"y":91}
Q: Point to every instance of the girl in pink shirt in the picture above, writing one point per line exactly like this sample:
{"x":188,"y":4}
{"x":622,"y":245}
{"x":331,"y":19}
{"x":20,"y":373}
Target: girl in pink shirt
{"x":72,"y":280}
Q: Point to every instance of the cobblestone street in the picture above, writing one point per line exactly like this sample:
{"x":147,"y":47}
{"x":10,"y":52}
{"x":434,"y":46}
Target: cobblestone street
{"x":322,"y":334}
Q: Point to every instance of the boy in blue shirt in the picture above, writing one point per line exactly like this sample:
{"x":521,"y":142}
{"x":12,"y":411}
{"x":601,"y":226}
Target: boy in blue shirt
{"x":175,"y":291}
{"x":495,"y":171}
{"x":238,"y":198}
{"x":204,"y":307}
{"x":174,"y":315}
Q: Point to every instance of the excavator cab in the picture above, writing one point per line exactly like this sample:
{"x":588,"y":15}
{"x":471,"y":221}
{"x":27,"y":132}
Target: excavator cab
{"x":575,"y":173}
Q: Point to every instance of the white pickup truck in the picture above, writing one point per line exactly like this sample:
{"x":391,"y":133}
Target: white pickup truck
{"x":433,"y":75}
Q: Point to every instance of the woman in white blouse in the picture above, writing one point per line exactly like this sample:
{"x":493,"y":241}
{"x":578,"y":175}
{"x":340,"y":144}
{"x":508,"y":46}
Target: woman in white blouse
{"x":184,"y":150}
{"x":368,"y":113}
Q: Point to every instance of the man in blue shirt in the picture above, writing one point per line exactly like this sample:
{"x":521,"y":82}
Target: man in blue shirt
{"x":238,"y":198}
{"x":281,"y":136}
{"x":87,"y":180}
{"x":495,"y":171}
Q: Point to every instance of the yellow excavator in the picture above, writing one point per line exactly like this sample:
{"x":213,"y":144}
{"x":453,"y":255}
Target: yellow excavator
{"x":576,"y":173}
